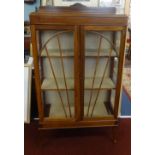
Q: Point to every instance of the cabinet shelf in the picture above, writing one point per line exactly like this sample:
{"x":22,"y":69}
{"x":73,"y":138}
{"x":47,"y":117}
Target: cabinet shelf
{"x":70,"y":53}
{"x":49,"y":84}
{"x":56,"y":111}
{"x":106,"y":84}
{"x":100,"y":110}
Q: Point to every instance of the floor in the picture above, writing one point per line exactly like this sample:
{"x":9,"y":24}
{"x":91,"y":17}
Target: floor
{"x":88,"y":141}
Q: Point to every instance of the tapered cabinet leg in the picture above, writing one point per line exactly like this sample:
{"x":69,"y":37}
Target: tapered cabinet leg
{"x":114,"y":134}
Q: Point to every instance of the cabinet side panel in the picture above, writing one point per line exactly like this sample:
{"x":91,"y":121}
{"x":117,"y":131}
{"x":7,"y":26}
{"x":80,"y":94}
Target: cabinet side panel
{"x":36,"y":70}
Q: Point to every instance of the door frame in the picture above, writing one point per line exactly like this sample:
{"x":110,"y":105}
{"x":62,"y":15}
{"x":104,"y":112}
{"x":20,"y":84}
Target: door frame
{"x":83,"y":29}
{"x":75,"y":29}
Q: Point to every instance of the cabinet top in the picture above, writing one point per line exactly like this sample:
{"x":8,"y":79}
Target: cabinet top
{"x":78,"y":14}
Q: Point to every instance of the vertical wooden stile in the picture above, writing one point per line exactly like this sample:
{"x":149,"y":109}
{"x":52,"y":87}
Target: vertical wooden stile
{"x":37,"y":76}
{"x":120,"y":70}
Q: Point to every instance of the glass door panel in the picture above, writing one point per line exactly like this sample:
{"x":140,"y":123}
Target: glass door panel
{"x":56,"y":61}
{"x":100,"y":77}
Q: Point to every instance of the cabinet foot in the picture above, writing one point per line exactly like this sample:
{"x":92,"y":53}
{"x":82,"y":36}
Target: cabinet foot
{"x":114,"y":135}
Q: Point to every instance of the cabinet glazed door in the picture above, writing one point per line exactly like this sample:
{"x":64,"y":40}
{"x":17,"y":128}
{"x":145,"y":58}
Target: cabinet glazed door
{"x":55,"y":71}
{"x":103,"y":60}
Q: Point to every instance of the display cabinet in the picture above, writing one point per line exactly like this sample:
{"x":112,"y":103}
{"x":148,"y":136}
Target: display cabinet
{"x":78,"y":59}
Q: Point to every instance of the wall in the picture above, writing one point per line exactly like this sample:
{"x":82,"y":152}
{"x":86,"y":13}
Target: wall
{"x":28,"y":8}
{"x":31,"y":7}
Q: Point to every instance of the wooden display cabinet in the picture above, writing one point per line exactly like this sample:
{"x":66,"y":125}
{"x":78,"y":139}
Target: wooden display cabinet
{"x":78,"y":59}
